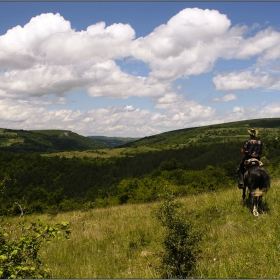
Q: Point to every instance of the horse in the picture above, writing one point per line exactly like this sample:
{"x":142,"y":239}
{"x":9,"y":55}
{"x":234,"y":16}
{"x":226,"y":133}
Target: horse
{"x":257,"y":180}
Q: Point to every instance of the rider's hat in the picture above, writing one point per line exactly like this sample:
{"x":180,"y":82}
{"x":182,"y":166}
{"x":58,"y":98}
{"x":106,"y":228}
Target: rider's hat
{"x":253,"y":132}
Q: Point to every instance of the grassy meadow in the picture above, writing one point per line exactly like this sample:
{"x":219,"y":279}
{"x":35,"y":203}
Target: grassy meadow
{"x":127,"y":241}
{"x":102,"y":153}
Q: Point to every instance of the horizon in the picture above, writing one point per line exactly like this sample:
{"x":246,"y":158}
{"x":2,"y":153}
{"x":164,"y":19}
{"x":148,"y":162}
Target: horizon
{"x":214,"y":124}
{"x":136,"y":69}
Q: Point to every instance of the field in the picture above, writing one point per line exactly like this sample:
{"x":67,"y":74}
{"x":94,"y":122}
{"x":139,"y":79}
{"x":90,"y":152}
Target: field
{"x":9,"y":138}
{"x":102,"y":153}
{"x":99,"y":191}
{"x":126,"y":241}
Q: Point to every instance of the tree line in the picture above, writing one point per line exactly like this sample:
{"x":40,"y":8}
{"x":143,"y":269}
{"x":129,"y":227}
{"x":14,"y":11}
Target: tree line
{"x":53,"y":184}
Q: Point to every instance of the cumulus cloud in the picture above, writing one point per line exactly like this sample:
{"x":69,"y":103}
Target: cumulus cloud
{"x":124,"y":120}
{"x":20,"y":46}
{"x":46,"y":56}
{"x":178,"y":111}
{"x":114,"y":121}
{"x":48,"y":38}
{"x":172,"y":50}
{"x":43,"y":61}
{"x":184,"y":46}
{"x":264,"y":44}
{"x":226,"y":98}
{"x":242,"y":81}
{"x":114,"y":83}
{"x":111,"y":121}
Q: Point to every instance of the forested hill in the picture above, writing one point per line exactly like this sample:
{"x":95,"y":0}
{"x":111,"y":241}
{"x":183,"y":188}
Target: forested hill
{"x":218,"y":133}
{"x":45,"y":141}
{"x":186,"y":162}
{"x":113,"y":141}
{"x":42,"y":141}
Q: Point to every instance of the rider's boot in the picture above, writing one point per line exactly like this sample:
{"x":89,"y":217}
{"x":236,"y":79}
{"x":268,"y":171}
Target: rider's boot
{"x":240,"y":179}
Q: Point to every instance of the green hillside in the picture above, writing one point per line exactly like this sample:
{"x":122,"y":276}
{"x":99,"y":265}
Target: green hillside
{"x":111,"y":199}
{"x":218,"y":133}
{"x":96,"y":178}
{"x":63,"y":140}
{"x":45,"y":141}
{"x":113,"y":141}
{"x":127,"y":242}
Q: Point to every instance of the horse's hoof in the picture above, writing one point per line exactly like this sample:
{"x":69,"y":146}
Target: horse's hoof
{"x":256,"y":213}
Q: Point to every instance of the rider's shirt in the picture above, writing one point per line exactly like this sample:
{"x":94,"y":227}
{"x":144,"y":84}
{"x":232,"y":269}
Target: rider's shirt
{"x":252,"y":147}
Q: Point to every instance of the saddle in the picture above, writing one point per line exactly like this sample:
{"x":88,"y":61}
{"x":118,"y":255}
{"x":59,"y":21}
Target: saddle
{"x":252,"y":162}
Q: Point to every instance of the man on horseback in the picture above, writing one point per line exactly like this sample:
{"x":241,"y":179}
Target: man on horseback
{"x":252,"y":148}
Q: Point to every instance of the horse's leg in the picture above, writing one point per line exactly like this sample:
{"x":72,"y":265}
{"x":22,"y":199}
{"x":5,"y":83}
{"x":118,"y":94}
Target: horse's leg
{"x":244,"y":194}
{"x":260,"y":202}
{"x":250,"y":198}
{"x":255,"y":205}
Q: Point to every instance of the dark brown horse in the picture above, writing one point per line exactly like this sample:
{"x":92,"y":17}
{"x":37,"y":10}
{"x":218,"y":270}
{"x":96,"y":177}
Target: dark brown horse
{"x":258,"y":182}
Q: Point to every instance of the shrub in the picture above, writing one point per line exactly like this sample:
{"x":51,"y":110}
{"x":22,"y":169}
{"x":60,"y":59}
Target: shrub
{"x":19,"y":248}
{"x":180,"y":241}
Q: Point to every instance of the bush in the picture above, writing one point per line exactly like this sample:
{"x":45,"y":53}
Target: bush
{"x":180,"y":242}
{"x":20,"y":246}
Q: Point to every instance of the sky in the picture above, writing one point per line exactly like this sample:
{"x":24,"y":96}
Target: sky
{"x":135,"y":69}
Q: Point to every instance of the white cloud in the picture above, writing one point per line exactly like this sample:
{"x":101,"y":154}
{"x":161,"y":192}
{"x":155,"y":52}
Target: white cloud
{"x":186,"y":45}
{"x":178,"y":112}
{"x":46,"y":59}
{"x":125,"y":120}
{"x":264,"y":44}
{"x":270,"y":111}
{"x":226,"y":98}
{"x":41,"y":80}
{"x":49,"y":39}
{"x":242,"y":81}
{"x":111,"y":121}
{"x":47,"y":56}
{"x":238,"y":109}
{"x":20,"y":46}
{"x":112,"y":82}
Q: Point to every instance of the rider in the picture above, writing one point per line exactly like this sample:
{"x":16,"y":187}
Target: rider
{"x":252,"y":148}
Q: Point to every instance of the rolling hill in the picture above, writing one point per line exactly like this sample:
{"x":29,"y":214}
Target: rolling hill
{"x":113,"y":141}
{"x":218,"y":133}
{"x":188,"y":161}
{"x":45,"y":141}
{"x":124,"y":240}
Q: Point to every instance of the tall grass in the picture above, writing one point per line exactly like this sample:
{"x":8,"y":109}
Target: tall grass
{"x":118,"y":242}
{"x":126,"y":241}
{"x":237,"y":244}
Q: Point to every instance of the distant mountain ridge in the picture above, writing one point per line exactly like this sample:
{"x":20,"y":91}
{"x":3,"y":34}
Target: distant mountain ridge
{"x":114,"y":141}
{"x":45,"y":141}
{"x":42,"y":141}
{"x":223,"y":132}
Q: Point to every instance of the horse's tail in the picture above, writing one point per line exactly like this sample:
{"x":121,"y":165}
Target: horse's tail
{"x":259,"y":181}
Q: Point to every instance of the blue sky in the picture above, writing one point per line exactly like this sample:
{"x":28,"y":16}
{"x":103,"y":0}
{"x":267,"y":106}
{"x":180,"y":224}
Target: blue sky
{"x":135,"y":69}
